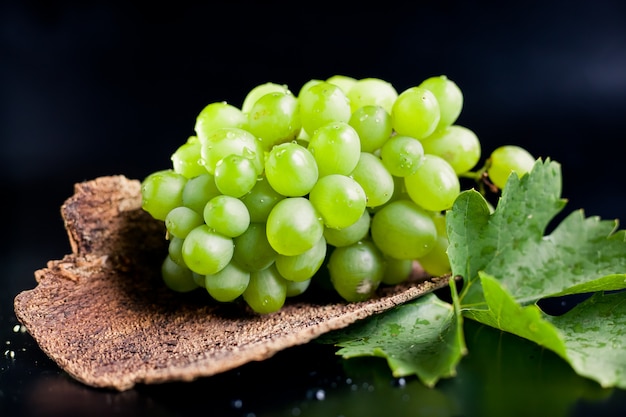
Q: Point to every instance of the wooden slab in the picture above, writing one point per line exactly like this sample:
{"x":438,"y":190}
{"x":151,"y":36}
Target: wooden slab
{"x":103,"y":314}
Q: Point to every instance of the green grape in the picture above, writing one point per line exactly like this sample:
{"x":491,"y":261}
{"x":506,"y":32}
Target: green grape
{"x":228,"y":284}
{"x":294,"y":226}
{"x":308,"y":85}
{"x":274,"y":119}
{"x":336,"y":148}
{"x":403,"y":230}
{"x":415,"y":113}
{"x":291,"y":169}
{"x":399,"y":193}
{"x":436,"y":262}
{"x":177,"y":277}
{"x":228,"y":141}
{"x":226,"y":215}
{"x":372,"y":92}
{"x":356,"y":271}
{"x":253,"y":251}
{"x":449,"y":97}
{"x":508,"y":159}
{"x":373,"y":125}
{"x":396,"y":270}
{"x":161,"y":192}
{"x":302,"y":267}
{"x":261,"y":199}
{"x":456,"y":144}
{"x":295,"y":288}
{"x":182,"y":220}
{"x":198,"y":279}
{"x":235,"y":175}
{"x":175,"y":250}
{"x":339,"y":199}
{"x":218,"y":115}
{"x":322,"y":103}
{"x":198,"y":191}
{"x":342,"y":81}
{"x":266,"y":291}
{"x":206,"y":251}
{"x":259,"y":91}
{"x":435,"y":185}
{"x":186,"y":158}
{"x":374,"y":178}
{"x":351,"y":234}
{"x":402,"y":155}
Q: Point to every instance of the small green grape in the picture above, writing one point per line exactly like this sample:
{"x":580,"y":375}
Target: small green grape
{"x":415,"y":113}
{"x":508,"y":159}
{"x":449,"y":97}
{"x":161,"y":192}
{"x":356,"y":271}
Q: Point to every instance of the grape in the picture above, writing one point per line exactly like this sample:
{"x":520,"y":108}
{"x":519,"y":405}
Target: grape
{"x":161,"y":192}
{"x":218,"y":115}
{"x":186,"y":159}
{"x":261,"y":199}
{"x":275,"y":118}
{"x":456,"y":144}
{"x":253,"y":251}
{"x":356,"y":270}
{"x":347,"y":177}
{"x":259,"y":91}
{"x":175,"y":250}
{"x":402,"y":155}
{"x":206,"y":251}
{"x":436,"y":262}
{"x":396,"y":270}
{"x":182,"y":220}
{"x":227,"y":284}
{"x":449,"y":97}
{"x":336,"y":148}
{"x":227,"y":141}
{"x":291,"y":169}
{"x":374,"y":178}
{"x":295,"y":288}
{"x":372,"y":92}
{"x":373,"y":125}
{"x":198,"y":191}
{"x":322,"y":103}
{"x":302,"y":267}
{"x":351,"y":234}
{"x":177,"y":277}
{"x":507,"y":159}
{"x":226,"y":215}
{"x":403,"y":230}
{"x":266,"y":291}
{"x":415,"y":113}
{"x":342,"y":81}
{"x":339,"y":199}
{"x":235,"y":175}
{"x":294,"y":226}
{"x":435,"y":185}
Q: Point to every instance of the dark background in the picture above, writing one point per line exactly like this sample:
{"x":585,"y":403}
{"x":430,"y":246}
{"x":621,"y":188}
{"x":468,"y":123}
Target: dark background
{"x":98,"y":88}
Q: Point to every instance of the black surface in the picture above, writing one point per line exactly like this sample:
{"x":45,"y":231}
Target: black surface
{"x":100,"y":88}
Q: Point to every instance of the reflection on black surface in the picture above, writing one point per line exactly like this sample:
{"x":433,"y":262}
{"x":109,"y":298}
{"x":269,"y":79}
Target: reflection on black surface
{"x":502,"y":375}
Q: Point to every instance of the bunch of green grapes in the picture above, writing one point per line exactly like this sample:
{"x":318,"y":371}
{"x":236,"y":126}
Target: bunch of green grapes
{"x":347,"y":175}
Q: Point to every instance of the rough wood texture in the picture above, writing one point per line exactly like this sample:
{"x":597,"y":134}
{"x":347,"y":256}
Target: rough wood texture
{"x":103,"y":314}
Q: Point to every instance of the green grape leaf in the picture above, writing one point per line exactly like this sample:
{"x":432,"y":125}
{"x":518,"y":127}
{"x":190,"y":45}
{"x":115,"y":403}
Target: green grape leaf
{"x":508,"y":263}
{"x":594,"y":333}
{"x":591,"y":337}
{"x":424,"y":337}
{"x":579,"y":255}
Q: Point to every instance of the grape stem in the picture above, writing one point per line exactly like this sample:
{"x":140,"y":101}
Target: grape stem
{"x":482,"y":179}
